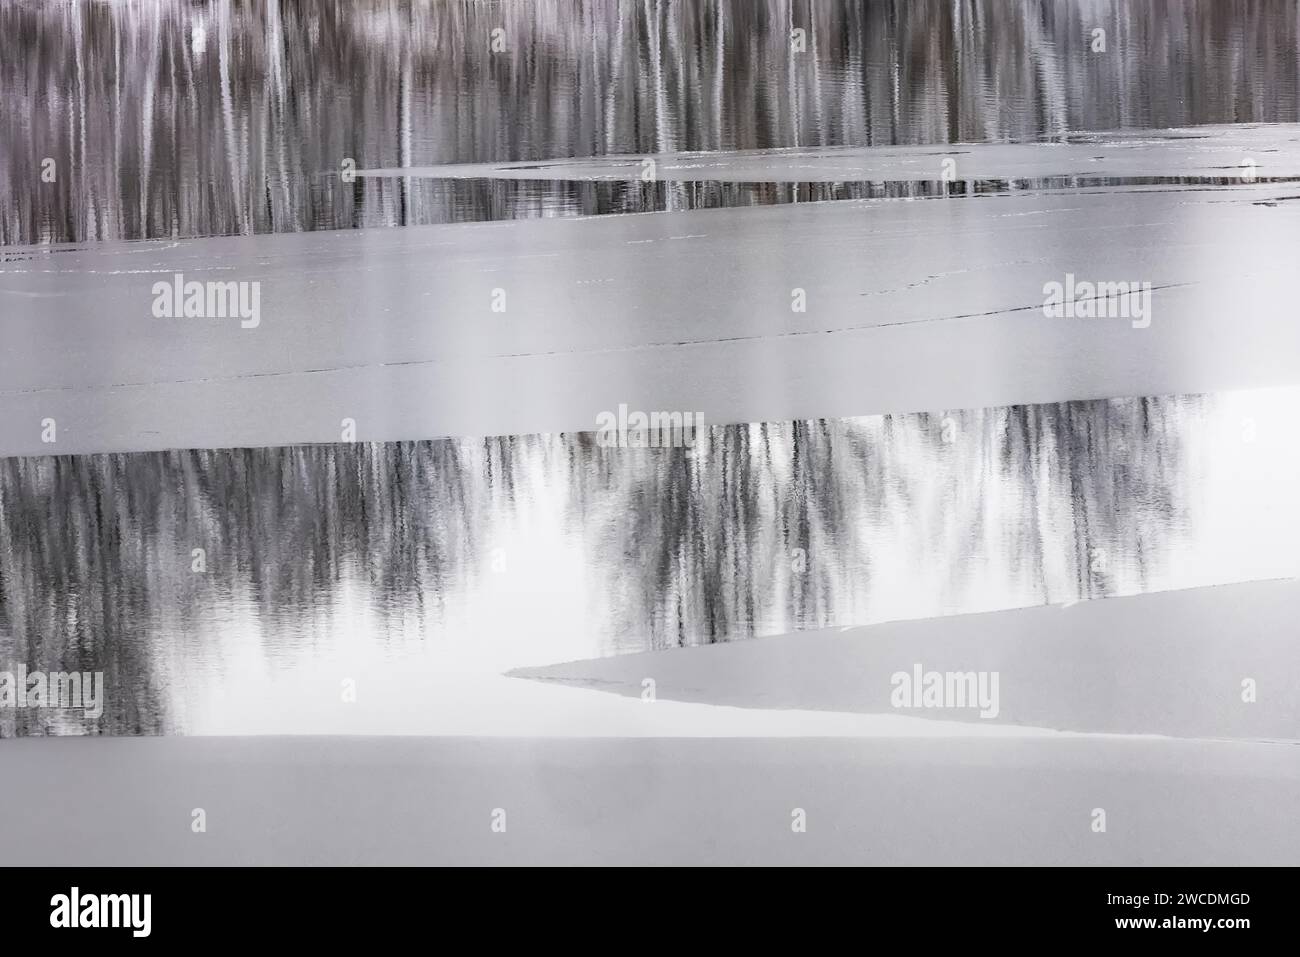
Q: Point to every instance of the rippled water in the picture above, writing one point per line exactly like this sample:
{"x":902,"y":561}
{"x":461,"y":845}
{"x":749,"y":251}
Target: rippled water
{"x":189,"y":118}
{"x":478,"y":555}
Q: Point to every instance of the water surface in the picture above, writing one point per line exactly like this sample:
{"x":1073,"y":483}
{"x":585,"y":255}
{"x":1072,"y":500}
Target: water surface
{"x":481,"y":555}
{"x":229,"y":117}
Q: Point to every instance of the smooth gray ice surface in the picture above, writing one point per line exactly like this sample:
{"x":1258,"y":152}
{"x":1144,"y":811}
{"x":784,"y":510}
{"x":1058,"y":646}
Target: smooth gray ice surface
{"x":1170,"y":664}
{"x":648,"y":801}
{"x":923,"y":305}
{"x":1223,"y":151}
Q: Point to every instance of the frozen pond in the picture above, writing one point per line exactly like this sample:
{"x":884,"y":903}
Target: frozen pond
{"x":973,"y":324}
